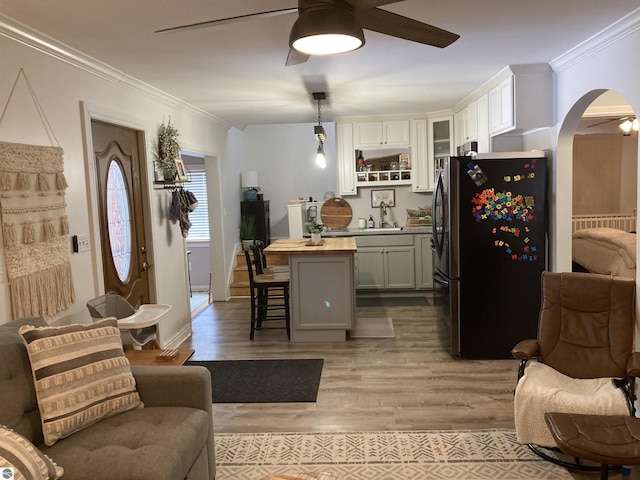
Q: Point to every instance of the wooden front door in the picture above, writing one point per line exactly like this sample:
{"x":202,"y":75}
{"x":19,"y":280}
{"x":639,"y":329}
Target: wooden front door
{"x":119,"y":153}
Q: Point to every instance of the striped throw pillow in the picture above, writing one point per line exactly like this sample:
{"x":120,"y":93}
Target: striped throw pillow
{"x":20,"y":458}
{"x":80,"y":374}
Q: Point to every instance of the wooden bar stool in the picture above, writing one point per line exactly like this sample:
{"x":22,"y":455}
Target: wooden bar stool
{"x":258,"y":248}
{"x":269,"y":296}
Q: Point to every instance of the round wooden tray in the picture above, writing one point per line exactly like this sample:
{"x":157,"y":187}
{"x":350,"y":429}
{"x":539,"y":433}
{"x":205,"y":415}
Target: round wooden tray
{"x":336,"y":213}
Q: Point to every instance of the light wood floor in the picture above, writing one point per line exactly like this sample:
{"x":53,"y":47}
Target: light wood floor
{"x":406,"y":383}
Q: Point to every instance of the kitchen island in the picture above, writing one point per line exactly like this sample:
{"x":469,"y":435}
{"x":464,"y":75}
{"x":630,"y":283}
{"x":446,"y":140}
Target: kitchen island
{"x":322,"y":287}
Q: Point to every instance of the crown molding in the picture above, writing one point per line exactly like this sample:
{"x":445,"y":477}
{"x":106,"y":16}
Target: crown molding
{"x":613,"y":33}
{"x":608,"y":111}
{"x":37,"y":40}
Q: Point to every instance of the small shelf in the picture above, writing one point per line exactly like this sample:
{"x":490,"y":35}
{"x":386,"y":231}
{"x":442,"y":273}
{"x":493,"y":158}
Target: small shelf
{"x":160,"y":184}
{"x":384,"y":177}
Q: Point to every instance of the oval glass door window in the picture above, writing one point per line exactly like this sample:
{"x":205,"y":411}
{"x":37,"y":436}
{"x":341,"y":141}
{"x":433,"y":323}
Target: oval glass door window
{"x":119,"y":220}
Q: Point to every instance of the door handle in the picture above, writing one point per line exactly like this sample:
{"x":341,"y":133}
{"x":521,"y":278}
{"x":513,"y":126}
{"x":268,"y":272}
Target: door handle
{"x":145,"y":266}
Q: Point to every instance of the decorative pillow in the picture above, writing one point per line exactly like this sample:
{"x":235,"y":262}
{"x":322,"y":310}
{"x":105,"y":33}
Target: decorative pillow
{"x":80,"y":374}
{"x":26,"y":460}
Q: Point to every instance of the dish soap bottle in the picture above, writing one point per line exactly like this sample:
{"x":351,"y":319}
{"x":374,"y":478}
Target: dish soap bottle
{"x":371,"y":223}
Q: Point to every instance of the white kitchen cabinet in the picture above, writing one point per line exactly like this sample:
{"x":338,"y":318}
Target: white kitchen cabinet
{"x":421,"y":167}
{"x":523,"y":100}
{"x":424,"y":261}
{"x":346,"y":160}
{"x":484,"y":139}
{"x":501,"y":117}
{"x":439,"y":139}
{"x":466,"y":124}
{"x":402,"y":136}
{"x":384,"y":134}
{"x":385,"y":262}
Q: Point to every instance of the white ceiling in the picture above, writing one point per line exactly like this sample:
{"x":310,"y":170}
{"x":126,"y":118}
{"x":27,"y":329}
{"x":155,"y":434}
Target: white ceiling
{"x":236,"y":72}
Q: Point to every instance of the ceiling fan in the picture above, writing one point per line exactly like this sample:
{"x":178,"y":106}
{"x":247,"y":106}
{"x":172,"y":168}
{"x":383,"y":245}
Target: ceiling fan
{"x":626,"y":123}
{"x":330,"y":22}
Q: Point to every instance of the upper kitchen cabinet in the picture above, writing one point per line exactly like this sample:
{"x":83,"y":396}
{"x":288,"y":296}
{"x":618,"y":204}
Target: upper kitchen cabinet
{"x":346,"y":163}
{"x":382,"y":151}
{"x":439,"y":139}
{"x":384,"y":134}
{"x":484,"y":138}
{"x":466,"y":124}
{"x":421,"y":169}
{"x":523,"y":99}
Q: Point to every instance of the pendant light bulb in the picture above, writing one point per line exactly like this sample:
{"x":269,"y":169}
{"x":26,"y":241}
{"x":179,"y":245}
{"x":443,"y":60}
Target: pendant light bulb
{"x":321,"y":160}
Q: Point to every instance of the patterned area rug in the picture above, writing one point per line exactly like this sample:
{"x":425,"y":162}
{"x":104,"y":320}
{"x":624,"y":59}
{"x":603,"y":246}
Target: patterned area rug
{"x":434,"y":455}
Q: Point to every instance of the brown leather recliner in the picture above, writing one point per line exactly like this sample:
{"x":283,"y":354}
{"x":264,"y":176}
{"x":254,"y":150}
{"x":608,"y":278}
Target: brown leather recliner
{"x":583,"y":360}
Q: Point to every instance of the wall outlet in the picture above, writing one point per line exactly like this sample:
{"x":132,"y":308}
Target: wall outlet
{"x":83,"y":243}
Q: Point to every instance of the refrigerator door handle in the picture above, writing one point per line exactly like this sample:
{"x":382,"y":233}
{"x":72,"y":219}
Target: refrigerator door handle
{"x":440,"y":280}
{"x":438,"y":215}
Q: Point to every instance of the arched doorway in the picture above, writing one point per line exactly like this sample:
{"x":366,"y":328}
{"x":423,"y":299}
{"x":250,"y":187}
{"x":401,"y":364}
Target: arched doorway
{"x":602,"y":162}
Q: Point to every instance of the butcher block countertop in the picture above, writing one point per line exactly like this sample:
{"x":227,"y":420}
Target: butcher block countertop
{"x":299,"y":246}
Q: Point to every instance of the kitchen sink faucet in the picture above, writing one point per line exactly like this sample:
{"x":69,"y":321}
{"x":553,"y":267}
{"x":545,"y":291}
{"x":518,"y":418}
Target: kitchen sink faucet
{"x":383,"y":212}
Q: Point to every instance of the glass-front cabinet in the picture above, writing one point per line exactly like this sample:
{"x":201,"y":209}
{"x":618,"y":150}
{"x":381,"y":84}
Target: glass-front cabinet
{"x":440,"y":139}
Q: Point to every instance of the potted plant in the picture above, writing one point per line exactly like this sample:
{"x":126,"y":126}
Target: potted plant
{"x":315,"y":229}
{"x":248,"y":231}
{"x":167,"y":150}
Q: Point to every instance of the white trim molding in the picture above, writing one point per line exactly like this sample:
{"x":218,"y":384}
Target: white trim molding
{"x":612,"y":34}
{"x":25,"y":35}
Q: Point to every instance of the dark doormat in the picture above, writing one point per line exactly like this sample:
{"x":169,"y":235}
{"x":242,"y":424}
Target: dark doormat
{"x":264,"y":381}
{"x":391,"y":302}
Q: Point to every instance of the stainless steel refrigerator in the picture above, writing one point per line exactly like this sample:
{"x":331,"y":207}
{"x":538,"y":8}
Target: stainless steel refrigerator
{"x":489,"y":249}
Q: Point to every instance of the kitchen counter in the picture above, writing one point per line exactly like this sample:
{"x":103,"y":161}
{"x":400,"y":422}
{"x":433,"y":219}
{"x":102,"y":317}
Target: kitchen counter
{"x":354,"y":232}
{"x":321,"y":287}
{"x":344,"y":244}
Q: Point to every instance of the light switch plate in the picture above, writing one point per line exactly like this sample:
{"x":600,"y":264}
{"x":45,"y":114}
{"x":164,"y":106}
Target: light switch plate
{"x":83,"y":243}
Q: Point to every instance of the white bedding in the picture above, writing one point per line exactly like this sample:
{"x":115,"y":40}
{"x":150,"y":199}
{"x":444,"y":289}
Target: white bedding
{"x":605,"y":250}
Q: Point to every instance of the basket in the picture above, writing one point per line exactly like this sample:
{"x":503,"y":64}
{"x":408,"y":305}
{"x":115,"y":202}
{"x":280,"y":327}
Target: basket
{"x":418,"y":217}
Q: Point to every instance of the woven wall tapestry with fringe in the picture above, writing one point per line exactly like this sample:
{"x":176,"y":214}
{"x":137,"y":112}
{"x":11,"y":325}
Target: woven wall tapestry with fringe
{"x":35,"y":229}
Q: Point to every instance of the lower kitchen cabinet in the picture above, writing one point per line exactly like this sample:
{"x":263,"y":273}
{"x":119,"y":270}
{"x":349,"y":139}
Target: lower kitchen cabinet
{"x":424,"y":261}
{"x":385,"y":262}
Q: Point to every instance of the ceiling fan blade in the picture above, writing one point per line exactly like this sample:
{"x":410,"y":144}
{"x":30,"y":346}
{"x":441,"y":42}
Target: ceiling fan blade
{"x":620,"y":120}
{"x":366,"y":4}
{"x":295,"y":57}
{"x":225,"y":21}
{"x":395,"y":25}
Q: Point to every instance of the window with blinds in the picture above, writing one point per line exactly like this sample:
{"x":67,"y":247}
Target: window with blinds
{"x":199,"y":218}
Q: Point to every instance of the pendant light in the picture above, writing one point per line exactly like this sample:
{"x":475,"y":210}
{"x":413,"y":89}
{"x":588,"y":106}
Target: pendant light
{"x":319,"y":133}
{"x":326,"y":29}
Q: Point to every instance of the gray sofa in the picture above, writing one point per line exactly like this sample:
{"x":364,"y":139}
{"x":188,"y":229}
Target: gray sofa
{"x":170,"y":438}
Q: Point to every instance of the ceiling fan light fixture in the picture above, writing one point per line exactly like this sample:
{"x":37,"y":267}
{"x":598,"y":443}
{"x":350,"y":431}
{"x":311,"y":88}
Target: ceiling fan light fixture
{"x":626,"y":126}
{"x":326,"y":30}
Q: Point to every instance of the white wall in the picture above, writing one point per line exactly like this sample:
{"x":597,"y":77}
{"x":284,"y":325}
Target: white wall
{"x":60,"y":88}
{"x":284,"y":157}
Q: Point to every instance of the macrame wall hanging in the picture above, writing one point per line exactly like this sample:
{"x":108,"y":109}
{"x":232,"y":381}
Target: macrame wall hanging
{"x":35,"y":228}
